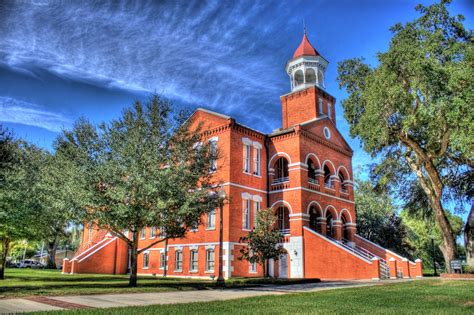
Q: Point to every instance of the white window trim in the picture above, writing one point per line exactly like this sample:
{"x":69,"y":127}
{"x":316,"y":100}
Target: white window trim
{"x":251,"y":267}
{"x":162,"y":254}
{"x":256,"y":210}
{"x":246,"y":215}
{"x":180,"y":251}
{"x":207,"y":260}
{"x":257,"y":160}
{"x":247,"y":158}
{"x":144,"y":236}
{"x":152,"y":233}
{"x":213,"y":227}
{"x":214,"y":162}
{"x":148,"y":264}
{"x":191,"y":260}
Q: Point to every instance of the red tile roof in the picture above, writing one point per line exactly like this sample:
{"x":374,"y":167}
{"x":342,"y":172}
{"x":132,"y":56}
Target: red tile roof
{"x":305,"y":48}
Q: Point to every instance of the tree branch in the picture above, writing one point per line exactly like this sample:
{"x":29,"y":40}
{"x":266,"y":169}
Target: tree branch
{"x":150,"y":245}
{"x":444,"y":145}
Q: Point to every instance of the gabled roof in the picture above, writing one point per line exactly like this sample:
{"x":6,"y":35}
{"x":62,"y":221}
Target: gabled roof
{"x":305,"y":48}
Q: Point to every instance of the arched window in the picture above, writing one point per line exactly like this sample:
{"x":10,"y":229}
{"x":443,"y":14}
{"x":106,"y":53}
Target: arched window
{"x":283,"y":215}
{"x":281,"y":170}
{"x":313,"y":218}
{"x":327,"y":177}
{"x":310,"y":76}
{"x":342,"y":179}
{"x":312,"y":168}
{"x":299,"y":77}
{"x":320,"y":78}
{"x":329,"y":224}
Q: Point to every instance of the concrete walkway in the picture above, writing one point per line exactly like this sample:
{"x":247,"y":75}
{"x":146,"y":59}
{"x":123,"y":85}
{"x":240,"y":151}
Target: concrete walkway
{"x":18,"y":305}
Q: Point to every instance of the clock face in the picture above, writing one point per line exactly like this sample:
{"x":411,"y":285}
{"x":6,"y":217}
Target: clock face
{"x":327,"y":133}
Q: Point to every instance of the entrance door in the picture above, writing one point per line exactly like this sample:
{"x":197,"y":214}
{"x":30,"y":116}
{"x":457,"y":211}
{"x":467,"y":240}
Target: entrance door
{"x":283,"y":263}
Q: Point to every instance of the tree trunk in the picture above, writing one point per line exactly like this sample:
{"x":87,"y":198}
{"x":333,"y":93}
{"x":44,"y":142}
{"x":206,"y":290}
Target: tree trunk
{"x":132,"y":282}
{"x":3,"y":257}
{"x":433,"y":187}
{"x":166,"y":258}
{"x":448,"y":248}
{"x":52,"y":247}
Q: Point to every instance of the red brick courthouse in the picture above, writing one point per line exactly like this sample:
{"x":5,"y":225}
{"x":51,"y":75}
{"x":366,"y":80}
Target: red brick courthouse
{"x":302,"y":170}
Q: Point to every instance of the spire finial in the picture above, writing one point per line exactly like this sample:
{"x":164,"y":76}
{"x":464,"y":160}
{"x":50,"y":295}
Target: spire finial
{"x":304,"y":26}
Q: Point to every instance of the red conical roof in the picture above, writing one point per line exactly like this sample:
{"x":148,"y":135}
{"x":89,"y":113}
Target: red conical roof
{"x":305,"y":48}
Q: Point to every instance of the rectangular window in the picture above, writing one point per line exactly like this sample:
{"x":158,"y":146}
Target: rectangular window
{"x":320,"y":106}
{"x":178,"y":261}
{"x":253,"y":266}
{"x":210,"y":260}
{"x":162,"y":260}
{"x":211,"y":220}
{"x":143,"y":233}
{"x":329,"y":111}
{"x":246,"y":158}
{"x":194,"y":261}
{"x":256,"y":209}
{"x":246,"y":214}
{"x":153,"y":232}
{"x":213,"y":148}
{"x":146,"y":260}
{"x":256,"y":161}
{"x":194,"y":227}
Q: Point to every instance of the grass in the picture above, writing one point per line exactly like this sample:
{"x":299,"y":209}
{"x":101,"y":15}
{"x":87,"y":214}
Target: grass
{"x":32,"y":282}
{"x":415,"y":297}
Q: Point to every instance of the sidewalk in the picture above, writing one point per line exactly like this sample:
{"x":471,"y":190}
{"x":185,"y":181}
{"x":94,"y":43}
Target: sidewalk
{"x":40,"y":303}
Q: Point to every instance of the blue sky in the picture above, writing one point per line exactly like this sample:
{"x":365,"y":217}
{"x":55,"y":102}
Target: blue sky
{"x":60,"y":60}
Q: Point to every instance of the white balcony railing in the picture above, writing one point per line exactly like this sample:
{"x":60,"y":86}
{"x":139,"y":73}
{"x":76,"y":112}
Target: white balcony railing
{"x":280,"y":180}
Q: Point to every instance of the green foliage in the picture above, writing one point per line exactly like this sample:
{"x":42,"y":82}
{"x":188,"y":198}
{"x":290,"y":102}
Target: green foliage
{"x":141,"y":170}
{"x":19,"y":170}
{"x":377,"y":219}
{"x":414,"y":112}
{"x":421,"y":232}
{"x":262,"y":241}
{"x":58,"y":198}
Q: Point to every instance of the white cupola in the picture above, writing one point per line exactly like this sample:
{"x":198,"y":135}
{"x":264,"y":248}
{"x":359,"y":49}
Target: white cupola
{"x":307,"y":67}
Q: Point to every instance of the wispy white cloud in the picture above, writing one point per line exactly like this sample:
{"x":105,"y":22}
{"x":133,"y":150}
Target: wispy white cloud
{"x":218,"y":54}
{"x":21,"y":112}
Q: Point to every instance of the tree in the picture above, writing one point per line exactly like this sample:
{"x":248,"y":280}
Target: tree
{"x":377,"y":219}
{"x":422,"y":231}
{"x":414,"y":111}
{"x":55,"y":194}
{"x":144,"y":169}
{"x":262,"y":241}
{"x":18,"y":173}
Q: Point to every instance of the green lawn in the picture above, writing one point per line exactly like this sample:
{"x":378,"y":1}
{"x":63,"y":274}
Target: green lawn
{"x":424,"y":296}
{"x":28,"y":282}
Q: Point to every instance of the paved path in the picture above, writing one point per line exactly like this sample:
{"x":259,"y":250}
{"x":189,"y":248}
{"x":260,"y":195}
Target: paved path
{"x":18,"y":305}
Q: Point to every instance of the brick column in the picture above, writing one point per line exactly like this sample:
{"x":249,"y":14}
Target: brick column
{"x":392,"y":263}
{"x":350,"y":188}
{"x":74,"y":266}
{"x":352,"y":228}
{"x":337,"y":229}
{"x":297,"y":221}
{"x":336,"y":181}
{"x":418,"y":269}
{"x":322,"y":225}
{"x":406,"y":268}
{"x":320,"y":178}
{"x":66,"y":266}
{"x":375,"y":268}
